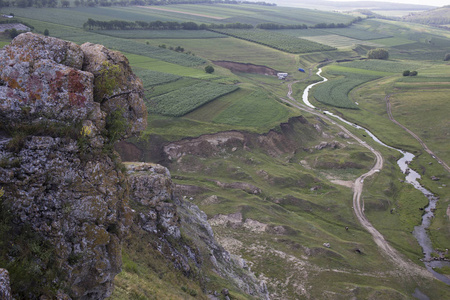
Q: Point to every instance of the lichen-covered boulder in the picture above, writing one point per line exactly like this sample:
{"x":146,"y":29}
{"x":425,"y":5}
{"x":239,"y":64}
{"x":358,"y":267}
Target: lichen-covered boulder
{"x":116,"y":86}
{"x":41,"y":81}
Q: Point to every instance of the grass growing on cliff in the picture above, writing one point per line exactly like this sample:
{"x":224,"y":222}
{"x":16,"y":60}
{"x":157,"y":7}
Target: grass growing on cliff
{"x":29,"y":259}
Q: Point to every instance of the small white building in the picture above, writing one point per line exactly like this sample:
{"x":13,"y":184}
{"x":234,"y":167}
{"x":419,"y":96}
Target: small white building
{"x":282,"y":75}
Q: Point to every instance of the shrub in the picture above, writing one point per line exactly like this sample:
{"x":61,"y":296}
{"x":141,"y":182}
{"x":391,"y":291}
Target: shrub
{"x":105,"y":82}
{"x":378,"y":53}
{"x":413,"y":73}
{"x":116,"y":125}
{"x":209,"y":69}
{"x":447,"y":57}
{"x":406,"y":73}
{"x":46,"y":32}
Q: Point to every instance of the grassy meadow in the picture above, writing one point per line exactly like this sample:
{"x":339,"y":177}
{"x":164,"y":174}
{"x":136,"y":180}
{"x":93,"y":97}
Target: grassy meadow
{"x":305,"y":196}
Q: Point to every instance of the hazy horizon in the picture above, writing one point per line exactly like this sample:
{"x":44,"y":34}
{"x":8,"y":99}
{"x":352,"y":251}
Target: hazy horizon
{"x":421,"y":2}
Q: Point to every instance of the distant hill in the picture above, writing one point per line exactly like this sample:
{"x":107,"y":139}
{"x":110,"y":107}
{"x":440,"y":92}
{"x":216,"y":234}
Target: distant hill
{"x":350,"y":5}
{"x":438,"y":16}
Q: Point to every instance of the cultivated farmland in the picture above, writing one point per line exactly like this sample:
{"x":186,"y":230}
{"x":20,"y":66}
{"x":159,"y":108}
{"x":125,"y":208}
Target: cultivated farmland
{"x":276,"y":40}
{"x":336,"y":92}
{"x":184,"y":100}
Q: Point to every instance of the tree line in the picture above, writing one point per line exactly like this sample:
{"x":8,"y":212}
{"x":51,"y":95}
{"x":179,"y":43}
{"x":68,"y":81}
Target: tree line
{"x":275,"y":26}
{"x":157,"y":25}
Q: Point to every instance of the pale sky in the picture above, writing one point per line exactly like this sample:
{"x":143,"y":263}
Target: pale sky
{"x":423,"y":2}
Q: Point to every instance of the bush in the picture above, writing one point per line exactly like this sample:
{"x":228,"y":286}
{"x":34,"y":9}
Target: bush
{"x":378,"y":53}
{"x":209,"y":69}
{"x":46,"y":32}
{"x":406,"y":73}
{"x":13,"y":33}
{"x":447,"y":57}
{"x":413,"y":73}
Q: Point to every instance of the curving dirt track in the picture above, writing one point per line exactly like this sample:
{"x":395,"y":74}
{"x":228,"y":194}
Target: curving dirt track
{"x":425,"y":147}
{"x":358,"y":204}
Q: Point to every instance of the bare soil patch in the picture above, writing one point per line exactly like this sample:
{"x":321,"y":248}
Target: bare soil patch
{"x":246,"y":67}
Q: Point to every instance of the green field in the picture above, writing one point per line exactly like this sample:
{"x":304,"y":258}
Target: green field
{"x":276,"y":40}
{"x":336,"y":92}
{"x":162,"y":34}
{"x":148,"y":63}
{"x":184,"y":100}
{"x":339,"y":41}
{"x":384,"y":65}
{"x":356,"y":33}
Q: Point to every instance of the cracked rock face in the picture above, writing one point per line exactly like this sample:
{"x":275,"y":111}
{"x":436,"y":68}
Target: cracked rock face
{"x":59,"y":184}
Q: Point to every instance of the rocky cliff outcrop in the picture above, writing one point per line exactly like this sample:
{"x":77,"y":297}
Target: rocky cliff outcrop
{"x":161,"y":212}
{"x":64,"y":209}
{"x":67,"y":204}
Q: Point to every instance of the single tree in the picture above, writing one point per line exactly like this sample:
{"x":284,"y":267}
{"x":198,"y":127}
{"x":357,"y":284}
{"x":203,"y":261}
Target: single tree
{"x":46,"y":33}
{"x":378,"y":53}
{"x":447,"y":57}
{"x":406,"y":73}
{"x":13,"y":33}
{"x":413,"y":73}
{"x":209,"y":69}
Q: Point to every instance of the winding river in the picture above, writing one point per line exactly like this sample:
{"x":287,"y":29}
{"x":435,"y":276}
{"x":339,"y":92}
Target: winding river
{"x":412,"y":177}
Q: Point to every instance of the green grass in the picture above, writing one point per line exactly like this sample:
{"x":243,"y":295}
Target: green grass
{"x":242,"y":51}
{"x":276,"y":40}
{"x":253,"y":109}
{"x":393,"y":41}
{"x":151,"y":78}
{"x":152,"y":64}
{"x":184,"y":100}
{"x":162,"y":34}
{"x":429,"y":122}
{"x":384,"y":65}
{"x":356,"y":33}
{"x":339,"y":41}
{"x":335,"y":92}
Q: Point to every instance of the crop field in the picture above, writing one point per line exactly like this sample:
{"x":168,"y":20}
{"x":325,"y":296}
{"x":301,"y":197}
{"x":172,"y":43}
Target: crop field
{"x":245,"y":107}
{"x":184,"y":100}
{"x":252,"y":14}
{"x":383,"y":65}
{"x":357,"y":34}
{"x":151,"y":78}
{"x":234,"y":49}
{"x":162,"y":34}
{"x":338,"y":41}
{"x":303,"y":32}
{"x":393,"y":41}
{"x":336,"y":92}
{"x":135,"y":47}
{"x":148,"y":63}
{"x":277,"y":41}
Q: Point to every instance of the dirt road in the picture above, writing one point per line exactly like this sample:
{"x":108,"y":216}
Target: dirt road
{"x":358,"y":204}
{"x":391,"y":117}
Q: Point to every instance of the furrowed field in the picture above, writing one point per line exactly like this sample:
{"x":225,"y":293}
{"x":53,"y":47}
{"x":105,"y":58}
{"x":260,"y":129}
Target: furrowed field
{"x":184,"y":100}
{"x":336,"y":92}
{"x":276,"y":40}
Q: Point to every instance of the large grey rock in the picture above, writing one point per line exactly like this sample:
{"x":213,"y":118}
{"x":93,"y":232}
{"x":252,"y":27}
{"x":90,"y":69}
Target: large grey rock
{"x":5,"y":287}
{"x":64,"y":189}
